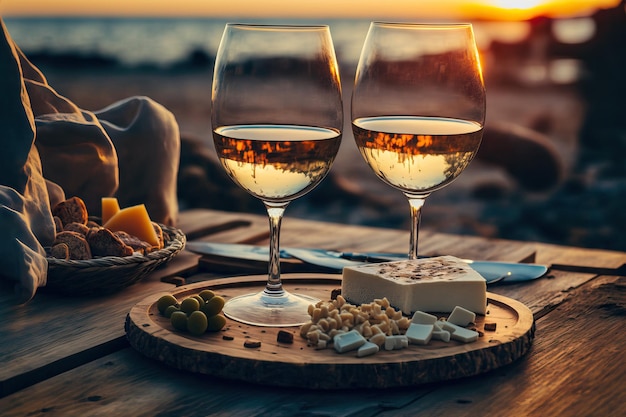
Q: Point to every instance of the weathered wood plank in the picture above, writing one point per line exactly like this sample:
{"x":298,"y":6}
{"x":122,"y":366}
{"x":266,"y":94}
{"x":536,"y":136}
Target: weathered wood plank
{"x":540,"y":295}
{"x":53,"y":333}
{"x":575,"y":367}
{"x":562,"y":375}
{"x":52,"y":328}
{"x":199,"y":223}
{"x":127,"y":383}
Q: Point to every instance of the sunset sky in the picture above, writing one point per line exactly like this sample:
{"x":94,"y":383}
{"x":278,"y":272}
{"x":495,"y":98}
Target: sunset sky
{"x":397,"y":9}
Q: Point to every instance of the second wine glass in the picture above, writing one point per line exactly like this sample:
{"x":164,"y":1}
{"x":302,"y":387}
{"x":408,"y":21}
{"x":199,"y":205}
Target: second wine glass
{"x":277,"y":118}
{"x":418,"y":107}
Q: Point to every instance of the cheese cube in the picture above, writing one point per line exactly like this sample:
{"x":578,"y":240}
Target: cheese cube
{"x":423,"y":318}
{"x":378,"y":339}
{"x":368,"y":348}
{"x":419,"y":334}
{"x":430,"y":284}
{"x":461,"y":316}
{"x":345,"y":342}
{"x":110,"y":207}
{"x":396,"y":342}
{"x":460,"y":333}
{"x":442,"y":335}
{"x":135,"y":221}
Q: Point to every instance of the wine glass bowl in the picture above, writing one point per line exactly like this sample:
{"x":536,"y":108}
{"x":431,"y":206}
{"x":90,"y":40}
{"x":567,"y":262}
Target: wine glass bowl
{"x":418,"y":107}
{"x":277,"y":118}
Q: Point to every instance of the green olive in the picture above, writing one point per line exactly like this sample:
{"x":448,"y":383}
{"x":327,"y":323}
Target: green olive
{"x":169,"y":310}
{"x":179,"y":320}
{"x":213,"y":306}
{"x":166,"y":301}
{"x":189,"y":305}
{"x":216,"y":323}
{"x":197,"y":323}
{"x":206,"y":295}
{"x":201,"y":300}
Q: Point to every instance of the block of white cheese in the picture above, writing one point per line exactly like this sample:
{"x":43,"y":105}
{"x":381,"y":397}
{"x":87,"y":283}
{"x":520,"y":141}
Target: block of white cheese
{"x":430,"y":284}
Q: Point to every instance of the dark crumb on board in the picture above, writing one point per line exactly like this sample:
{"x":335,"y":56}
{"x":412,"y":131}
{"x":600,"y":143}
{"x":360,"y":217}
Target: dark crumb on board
{"x":284,"y":337}
{"x":490,"y":327}
{"x":252,"y":344}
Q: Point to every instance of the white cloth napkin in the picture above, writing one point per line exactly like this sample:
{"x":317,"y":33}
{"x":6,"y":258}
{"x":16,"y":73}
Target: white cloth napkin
{"x":53,"y":149}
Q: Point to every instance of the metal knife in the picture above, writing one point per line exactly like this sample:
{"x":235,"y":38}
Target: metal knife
{"x":492,"y":271}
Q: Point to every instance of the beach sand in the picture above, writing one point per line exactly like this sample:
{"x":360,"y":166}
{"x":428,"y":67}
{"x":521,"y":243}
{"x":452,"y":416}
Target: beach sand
{"x":483,"y":201}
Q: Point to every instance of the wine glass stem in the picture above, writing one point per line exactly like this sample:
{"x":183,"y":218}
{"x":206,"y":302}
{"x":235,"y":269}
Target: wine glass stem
{"x":274,"y":286}
{"x":416,"y":203}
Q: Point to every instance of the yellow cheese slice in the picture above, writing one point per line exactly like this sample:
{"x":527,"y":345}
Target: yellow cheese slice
{"x":110,"y":207}
{"x":134,"y":220}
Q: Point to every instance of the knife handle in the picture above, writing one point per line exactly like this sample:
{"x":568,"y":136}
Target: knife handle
{"x":619,"y":271}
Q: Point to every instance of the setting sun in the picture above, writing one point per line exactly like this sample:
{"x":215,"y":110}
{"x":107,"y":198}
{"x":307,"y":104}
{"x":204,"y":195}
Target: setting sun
{"x":528,"y":9}
{"x":517,"y":4}
{"x":514,"y":9}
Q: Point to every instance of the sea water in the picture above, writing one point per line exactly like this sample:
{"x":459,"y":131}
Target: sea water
{"x":164,"y":41}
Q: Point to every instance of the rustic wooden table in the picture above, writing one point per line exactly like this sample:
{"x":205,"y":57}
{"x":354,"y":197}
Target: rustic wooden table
{"x":69,"y":356}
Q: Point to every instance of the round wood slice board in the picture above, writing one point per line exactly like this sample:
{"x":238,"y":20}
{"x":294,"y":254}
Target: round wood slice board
{"x":223,"y":354}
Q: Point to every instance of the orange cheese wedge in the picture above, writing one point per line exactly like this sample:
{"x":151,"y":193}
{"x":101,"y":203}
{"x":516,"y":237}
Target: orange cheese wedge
{"x":134,"y":220}
{"x":110,"y":207}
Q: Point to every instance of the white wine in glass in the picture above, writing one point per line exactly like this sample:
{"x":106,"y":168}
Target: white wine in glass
{"x":277,"y":118}
{"x":418,"y":107}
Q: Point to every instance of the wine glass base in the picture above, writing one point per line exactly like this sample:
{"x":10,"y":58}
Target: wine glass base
{"x":268,"y":310}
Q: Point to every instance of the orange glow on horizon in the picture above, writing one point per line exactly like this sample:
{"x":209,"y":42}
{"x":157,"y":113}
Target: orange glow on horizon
{"x":528,"y":9}
{"x":374,"y":9}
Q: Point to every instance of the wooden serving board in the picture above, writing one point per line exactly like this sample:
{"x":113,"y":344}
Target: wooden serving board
{"x":223,"y":354}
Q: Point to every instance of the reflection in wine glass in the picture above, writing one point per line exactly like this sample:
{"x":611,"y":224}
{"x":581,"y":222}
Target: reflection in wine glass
{"x":418,"y":107}
{"x":277,"y":116}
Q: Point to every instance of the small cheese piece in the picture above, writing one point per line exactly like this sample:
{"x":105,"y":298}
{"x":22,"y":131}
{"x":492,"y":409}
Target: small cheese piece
{"x":110,"y":207}
{"x":430,"y":284}
{"x":366,"y":349}
{"x":345,"y":342}
{"x":396,"y":342}
{"x":321,"y":344}
{"x":460,"y":333}
{"x":423,"y":318}
{"x":419,"y":334}
{"x":135,"y":221}
{"x":461,"y":316}
{"x":378,"y":339}
{"x":442,"y":335}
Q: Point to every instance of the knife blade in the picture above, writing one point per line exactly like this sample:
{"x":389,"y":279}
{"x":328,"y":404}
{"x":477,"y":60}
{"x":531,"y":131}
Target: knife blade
{"x":232,"y":250}
{"x":492,"y":271}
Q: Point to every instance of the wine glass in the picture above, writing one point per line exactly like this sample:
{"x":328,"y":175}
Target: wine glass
{"x":418,"y":107}
{"x":277,"y":119}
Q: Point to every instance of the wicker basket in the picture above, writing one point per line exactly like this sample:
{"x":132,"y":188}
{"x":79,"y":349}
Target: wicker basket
{"x":111,"y":273}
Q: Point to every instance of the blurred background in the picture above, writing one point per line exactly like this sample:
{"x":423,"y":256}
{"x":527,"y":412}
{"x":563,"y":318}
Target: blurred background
{"x":553,"y":163}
